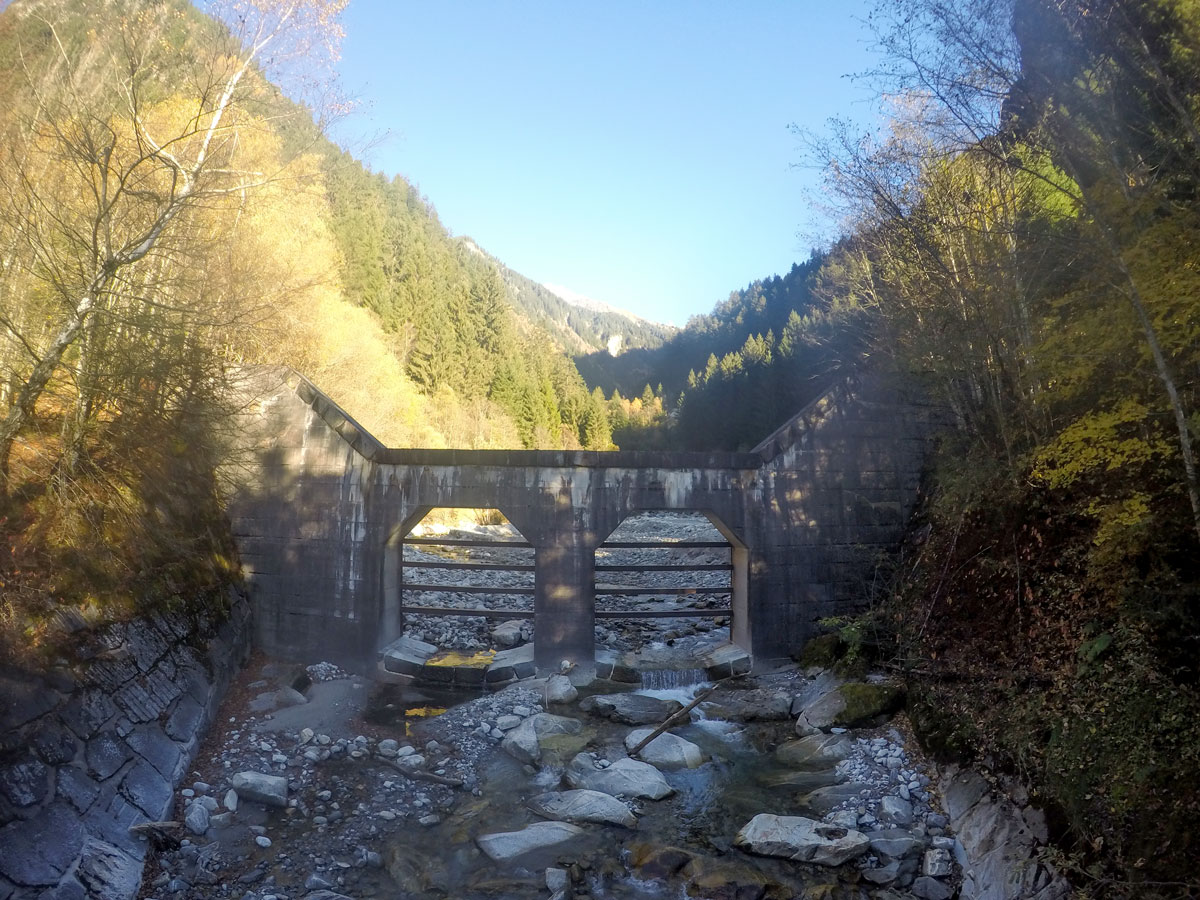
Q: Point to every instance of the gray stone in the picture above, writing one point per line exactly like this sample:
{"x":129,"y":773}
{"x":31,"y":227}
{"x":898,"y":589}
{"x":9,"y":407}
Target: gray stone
{"x":106,"y":871}
{"x":184,"y":722}
{"x":801,"y":839}
{"x":511,"y":845}
{"x":931,"y":889}
{"x":882,"y":875}
{"x":507,"y":634}
{"x":819,"y":686}
{"x":560,"y":690}
{"x":631,"y":709}
{"x":895,"y":843}
{"x":961,"y":791}
{"x":937,"y":863}
{"x":667,"y":751}
{"x":824,"y":799}
{"x":557,"y":880}
{"x":24,"y":782}
{"x":87,"y":711}
{"x":54,"y":744}
{"x":146,"y":789}
{"x":287,"y":696}
{"x":263,"y":841}
{"x":106,"y":753}
{"x":76,"y":788}
{"x":624,"y":778}
{"x":270,"y":790}
{"x":523,"y":742}
{"x":896,"y":810}
{"x":230,"y":801}
{"x":67,"y":889}
{"x":151,"y":744}
{"x":583,"y":806}
{"x":39,"y":850}
{"x":850,"y":704}
{"x":196,"y":818}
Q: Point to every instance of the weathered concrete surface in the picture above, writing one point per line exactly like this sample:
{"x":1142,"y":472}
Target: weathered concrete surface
{"x":320,"y":512}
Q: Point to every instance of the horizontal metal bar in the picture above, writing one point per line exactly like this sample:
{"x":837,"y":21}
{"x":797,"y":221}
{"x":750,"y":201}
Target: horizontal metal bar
{"x":671,"y":590}
{"x":465,"y":589}
{"x":666,"y":614}
{"x":660,"y":545}
{"x":718,"y":567}
{"x":499,"y":567}
{"x":463,"y":542}
{"x":450,"y":611}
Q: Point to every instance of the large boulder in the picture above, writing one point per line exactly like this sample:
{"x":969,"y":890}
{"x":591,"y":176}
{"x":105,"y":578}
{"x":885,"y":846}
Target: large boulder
{"x":524,"y":742}
{"x":631,"y":709}
{"x":506,"y":846}
{"x":850,"y":705}
{"x":667,"y":751}
{"x":270,"y":790}
{"x":624,"y":778}
{"x":801,"y":839}
{"x":816,"y":751}
{"x":579,"y":806}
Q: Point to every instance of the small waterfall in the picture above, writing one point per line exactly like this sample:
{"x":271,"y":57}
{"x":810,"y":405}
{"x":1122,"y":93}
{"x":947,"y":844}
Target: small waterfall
{"x":671,"y":679}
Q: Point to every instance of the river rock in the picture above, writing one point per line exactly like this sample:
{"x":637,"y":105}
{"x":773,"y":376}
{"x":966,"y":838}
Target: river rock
{"x":801,"y":782}
{"x":931,"y":889}
{"x":507,"y":634}
{"x":560,"y":690}
{"x":850,"y":705}
{"x":667,"y":751}
{"x":581,"y":806}
{"x":631,"y":709}
{"x":506,"y":846}
{"x":196,"y":818}
{"x":624,"y":778}
{"x":817,"y":751}
{"x":657,"y":861}
{"x":895,"y":843}
{"x":896,"y":809}
{"x":801,"y":839}
{"x":827,"y":798}
{"x":726,"y":879}
{"x":270,"y":790}
{"x":522,"y":743}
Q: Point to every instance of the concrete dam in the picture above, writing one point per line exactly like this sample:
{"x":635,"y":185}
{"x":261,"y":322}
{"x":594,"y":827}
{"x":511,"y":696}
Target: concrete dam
{"x":323,"y":507}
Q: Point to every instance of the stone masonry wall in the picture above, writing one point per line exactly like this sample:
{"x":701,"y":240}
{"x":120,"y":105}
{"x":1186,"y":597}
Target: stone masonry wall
{"x":99,"y":742}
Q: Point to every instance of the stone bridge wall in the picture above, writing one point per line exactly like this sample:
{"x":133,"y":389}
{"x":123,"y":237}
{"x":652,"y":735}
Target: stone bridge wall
{"x":320,"y":510}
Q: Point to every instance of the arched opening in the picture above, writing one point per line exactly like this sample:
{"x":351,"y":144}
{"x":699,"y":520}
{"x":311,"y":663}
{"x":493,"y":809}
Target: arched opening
{"x":462,"y":580}
{"x":670,"y":588}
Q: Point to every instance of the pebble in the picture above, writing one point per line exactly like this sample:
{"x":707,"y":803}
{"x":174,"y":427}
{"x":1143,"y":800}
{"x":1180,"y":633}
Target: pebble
{"x":263,"y":841}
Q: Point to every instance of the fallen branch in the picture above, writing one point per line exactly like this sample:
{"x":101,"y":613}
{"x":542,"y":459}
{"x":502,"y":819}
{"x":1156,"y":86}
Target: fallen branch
{"x":675,"y":717}
{"x":422,"y":775}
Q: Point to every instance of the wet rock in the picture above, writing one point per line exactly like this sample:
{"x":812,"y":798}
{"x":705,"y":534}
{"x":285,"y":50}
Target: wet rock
{"x":522,"y":743}
{"x":801,"y":782}
{"x":557,"y":880}
{"x":667,"y":751}
{"x":827,"y":798}
{"x":270,"y":790}
{"x":815,"y":751}
{"x":631,"y":709}
{"x":850,"y":705}
{"x":507,"y":846}
{"x":583,"y":806}
{"x":801,"y":839}
{"x":712,"y":879}
{"x":654,"y":861}
{"x":624,"y":778}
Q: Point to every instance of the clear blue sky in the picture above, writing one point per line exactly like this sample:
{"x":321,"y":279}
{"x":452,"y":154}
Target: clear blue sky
{"x":635,"y":152}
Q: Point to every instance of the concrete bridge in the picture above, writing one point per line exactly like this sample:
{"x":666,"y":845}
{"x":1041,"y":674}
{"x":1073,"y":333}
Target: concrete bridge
{"x":321,"y":510}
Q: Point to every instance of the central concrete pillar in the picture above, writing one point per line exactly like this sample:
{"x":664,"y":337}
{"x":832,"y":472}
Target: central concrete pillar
{"x":564,"y":606}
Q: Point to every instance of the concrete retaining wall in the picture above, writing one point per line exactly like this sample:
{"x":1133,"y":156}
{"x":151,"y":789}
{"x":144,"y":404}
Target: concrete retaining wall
{"x":99,"y":743}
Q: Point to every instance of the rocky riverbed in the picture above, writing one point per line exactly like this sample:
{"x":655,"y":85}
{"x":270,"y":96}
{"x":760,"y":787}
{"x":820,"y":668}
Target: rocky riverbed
{"x":316,"y":785}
